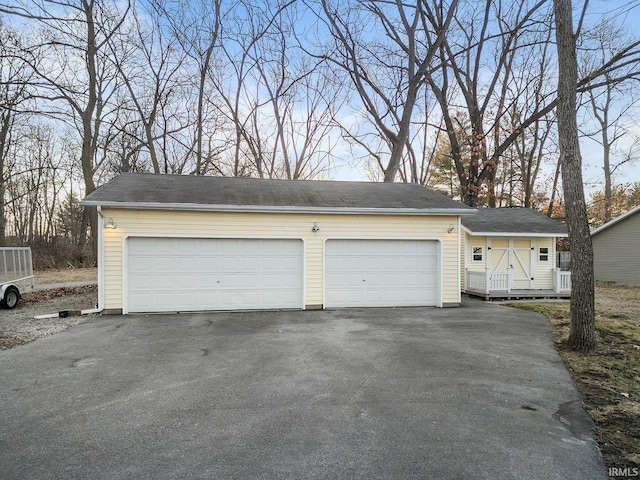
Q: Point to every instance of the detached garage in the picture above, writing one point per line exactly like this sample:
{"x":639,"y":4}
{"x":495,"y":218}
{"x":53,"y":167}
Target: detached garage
{"x":171,"y":243}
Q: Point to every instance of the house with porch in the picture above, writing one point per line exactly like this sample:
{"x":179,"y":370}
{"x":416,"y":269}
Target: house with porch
{"x":511,"y":253}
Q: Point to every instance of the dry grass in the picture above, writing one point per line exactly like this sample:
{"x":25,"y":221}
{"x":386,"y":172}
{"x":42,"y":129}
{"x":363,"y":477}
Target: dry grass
{"x":609,"y":378}
{"x":64,"y":275}
{"x":19,"y":326}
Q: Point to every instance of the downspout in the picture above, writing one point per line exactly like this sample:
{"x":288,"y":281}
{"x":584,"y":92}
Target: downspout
{"x":100,"y":306}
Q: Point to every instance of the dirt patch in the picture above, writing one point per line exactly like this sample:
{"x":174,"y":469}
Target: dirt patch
{"x":64,"y":275}
{"x":608,"y":379}
{"x":18,"y":326}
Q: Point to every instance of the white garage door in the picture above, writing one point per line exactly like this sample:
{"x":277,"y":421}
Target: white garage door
{"x":191,"y":274}
{"x":381,"y":273}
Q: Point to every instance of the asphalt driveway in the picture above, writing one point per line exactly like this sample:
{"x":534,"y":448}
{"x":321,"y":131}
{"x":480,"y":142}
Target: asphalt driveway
{"x":476,"y":392}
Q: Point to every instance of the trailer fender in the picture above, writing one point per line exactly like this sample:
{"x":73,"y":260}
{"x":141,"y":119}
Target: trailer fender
{"x":9,"y":295}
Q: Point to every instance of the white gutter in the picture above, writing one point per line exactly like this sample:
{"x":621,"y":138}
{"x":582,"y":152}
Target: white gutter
{"x":516,"y":234}
{"x":279,"y":209}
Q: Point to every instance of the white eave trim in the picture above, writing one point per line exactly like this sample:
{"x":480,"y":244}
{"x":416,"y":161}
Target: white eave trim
{"x":615,"y":220}
{"x":279,"y":209}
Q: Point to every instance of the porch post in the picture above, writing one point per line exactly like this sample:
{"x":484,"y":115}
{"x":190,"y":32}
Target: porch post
{"x":509,"y":278}
{"x":556,"y":280}
{"x":487,"y":281}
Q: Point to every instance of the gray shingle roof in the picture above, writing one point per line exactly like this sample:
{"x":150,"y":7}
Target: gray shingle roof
{"x":135,"y":190}
{"x":512,"y":220}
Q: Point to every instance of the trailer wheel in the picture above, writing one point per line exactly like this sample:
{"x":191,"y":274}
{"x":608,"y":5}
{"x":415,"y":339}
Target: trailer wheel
{"x":11,"y":297}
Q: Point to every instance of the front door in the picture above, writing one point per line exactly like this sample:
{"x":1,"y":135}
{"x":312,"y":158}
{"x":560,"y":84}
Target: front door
{"x":521,"y":263}
{"x":511,"y":255}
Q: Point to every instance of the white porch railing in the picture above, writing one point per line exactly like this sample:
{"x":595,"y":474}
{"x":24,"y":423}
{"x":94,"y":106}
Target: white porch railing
{"x":501,"y":281}
{"x":476,"y":281}
{"x":561,"y":280}
{"x":487,"y":281}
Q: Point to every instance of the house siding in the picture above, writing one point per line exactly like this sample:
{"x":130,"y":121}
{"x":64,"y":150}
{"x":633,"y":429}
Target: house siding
{"x":471,"y":241}
{"x":168,"y":223}
{"x":615,"y":252}
{"x":543,"y":271}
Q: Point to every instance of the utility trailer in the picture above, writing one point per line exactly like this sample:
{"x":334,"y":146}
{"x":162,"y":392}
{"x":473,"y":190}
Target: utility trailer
{"x":16,"y":274}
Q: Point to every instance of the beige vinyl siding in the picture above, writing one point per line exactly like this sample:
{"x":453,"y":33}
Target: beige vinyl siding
{"x":270,"y":225}
{"x":616,"y":252}
{"x":474,"y":241}
{"x":477,"y":242}
{"x":543,"y":271}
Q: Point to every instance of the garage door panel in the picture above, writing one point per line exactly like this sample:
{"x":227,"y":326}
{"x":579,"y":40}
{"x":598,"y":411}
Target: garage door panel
{"x":290,"y":281}
{"x":248,"y":281}
{"x":250,"y":264}
{"x":209,"y":263}
{"x":229,"y":263}
{"x":163,"y":281}
{"x":183,"y":274}
{"x":188,"y":263}
{"x":374,"y":280}
{"x":381,"y":273}
{"x":159,"y":264}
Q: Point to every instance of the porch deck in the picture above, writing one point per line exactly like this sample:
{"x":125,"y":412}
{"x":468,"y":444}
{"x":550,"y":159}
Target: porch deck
{"x":499,"y":285}
{"x":531,"y":294}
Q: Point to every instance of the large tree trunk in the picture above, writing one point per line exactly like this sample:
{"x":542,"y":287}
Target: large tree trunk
{"x":89,"y":133}
{"x":582,"y":335}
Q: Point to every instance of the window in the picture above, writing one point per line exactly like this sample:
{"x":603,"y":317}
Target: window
{"x":544,"y":254}
{"x":477,"y":254}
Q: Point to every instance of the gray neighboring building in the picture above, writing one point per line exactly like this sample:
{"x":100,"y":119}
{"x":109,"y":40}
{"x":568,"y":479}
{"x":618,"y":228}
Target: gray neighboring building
{"x":616,"y":249}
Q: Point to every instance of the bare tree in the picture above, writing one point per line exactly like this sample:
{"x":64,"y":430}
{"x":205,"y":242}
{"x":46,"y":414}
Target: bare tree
{"x":149,"y":64}
{"x":238,"y":84}
{"x":613,"y":106}
{"x":14,"y":91}
{"x":196,"y":26}
{"x":493,"y":45}
{"x":302,"y":103}
{"x":277,"y":103}
{"x":582,"y":334}
{"x":388,"y":73}
{"x":73,"y":35}
{"x":39,"y":171}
